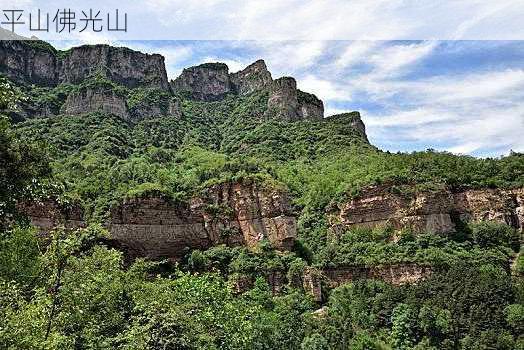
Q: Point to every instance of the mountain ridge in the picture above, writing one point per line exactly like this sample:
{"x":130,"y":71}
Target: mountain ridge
{"x":36,"y":62}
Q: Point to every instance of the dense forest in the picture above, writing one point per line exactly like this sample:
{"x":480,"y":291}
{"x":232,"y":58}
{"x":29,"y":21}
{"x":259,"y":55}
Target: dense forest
{"x":72,"y":290}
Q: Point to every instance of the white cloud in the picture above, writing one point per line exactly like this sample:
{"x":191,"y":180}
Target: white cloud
{"x":288,"y":57}
{"x":355,"y":52}
{"x":339,"y":19}
{"x":324,"y":89}
{"x":393,"y":59}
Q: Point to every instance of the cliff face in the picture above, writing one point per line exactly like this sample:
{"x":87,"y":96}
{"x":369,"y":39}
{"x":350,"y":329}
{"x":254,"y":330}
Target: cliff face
{"x":247,"y":213}
{"x":212,"y":82}
{"x":92,"y":100}
{"x":122,"y":65}
{"x":254,"y":77}
{"x":312,"y":280}
{"x":24,"y":63}
{"x":48,"y":215}
{"x":397,"y":274}
{"x":35,"y":62}
{"x":206,"y":82}
{"x":31,"y":62}
{"x":289,"y":103}
{"x":429,"y":211}
{"x":241,"y":213}
{"x":147,"y":109}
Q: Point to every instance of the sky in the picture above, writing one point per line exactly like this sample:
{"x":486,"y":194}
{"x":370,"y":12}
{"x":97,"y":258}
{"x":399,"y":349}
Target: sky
{"x":422,"y":73}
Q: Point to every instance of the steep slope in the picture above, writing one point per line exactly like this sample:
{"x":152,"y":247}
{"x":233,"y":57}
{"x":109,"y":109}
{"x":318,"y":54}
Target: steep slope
{"x":127,"y":145}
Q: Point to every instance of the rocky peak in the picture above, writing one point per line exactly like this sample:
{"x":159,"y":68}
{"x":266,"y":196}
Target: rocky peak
{"x":205,"y":82}
{"x":36,"y":62}
{"x":355,"y":121}
{"x":253,"y":78}
{"x":287,"y":102}
{"x":309,"y":106}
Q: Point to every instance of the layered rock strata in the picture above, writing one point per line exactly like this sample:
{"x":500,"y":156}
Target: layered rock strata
{"x":241,"y":213}
{"x":206,"y":82}
{"x":436,"y":211}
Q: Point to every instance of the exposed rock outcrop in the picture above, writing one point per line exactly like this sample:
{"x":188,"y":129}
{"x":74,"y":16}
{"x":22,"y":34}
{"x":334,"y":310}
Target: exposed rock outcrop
{"x":146,"y":110}
{"x":434,"y":211}
{"x":355,"y":121}
{"x":48,"y":215}
{"x":36,"y":62}
{"x":212,"y":82}
{"x":251,"y":209}
{"x":254,"y":77}
{"x":122,"y":65}
{"x":25,"y":62}
{"x":240,"y":213}
{"x":287,"y":102}
{"x":314,"y":281}
{"x":397,"y":274}
{"x":88,"y":100}
{"x":206,"y":82}
{"x":309,"y":106}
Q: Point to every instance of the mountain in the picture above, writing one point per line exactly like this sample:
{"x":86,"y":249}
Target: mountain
{"x":241,"y":177}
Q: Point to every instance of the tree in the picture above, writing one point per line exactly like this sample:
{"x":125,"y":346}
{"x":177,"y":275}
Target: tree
{"x":22,"y":164}
{"x":401,"y":331}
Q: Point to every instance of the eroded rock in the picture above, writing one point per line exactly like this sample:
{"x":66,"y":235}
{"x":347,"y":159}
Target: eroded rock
{"x":100,"y":99}
{"x":25,"y":62}
{"x":36,"y":62}
{"x":206,"y":82}
{"x":254,"y":77}
{"x":119,"y":64}
{"x":433,"y":211}
{"x":240,"y":213}
{"x":288,"y":103}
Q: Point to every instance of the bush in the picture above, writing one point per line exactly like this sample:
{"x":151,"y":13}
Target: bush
{"x":490,"y":234}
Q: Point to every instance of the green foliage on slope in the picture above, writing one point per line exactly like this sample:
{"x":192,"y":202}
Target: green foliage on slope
{"x":76,"y":293}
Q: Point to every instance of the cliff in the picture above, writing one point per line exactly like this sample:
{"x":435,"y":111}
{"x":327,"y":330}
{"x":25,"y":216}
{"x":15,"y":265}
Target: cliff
{"x":124,"y":66}
{"x":254,"y":77}
{"x":436,"y":211}
{"x":29,"y":62}
{"x":98,"y":99}
{"x":25,"y":62}
{"x":212,"y":82}
{"x":206,"y":82}
{"x":36,"y":62}
{"x":240,"y":213}
{"x":287,"y":102}
{"x":316,"y":282}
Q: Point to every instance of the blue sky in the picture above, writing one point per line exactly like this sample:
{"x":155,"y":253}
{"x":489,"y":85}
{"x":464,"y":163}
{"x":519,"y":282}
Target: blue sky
{"x":421,"y":72}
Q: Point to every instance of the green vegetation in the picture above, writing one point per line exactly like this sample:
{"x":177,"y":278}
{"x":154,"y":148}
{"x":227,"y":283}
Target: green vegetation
{"x":73,"y":291}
